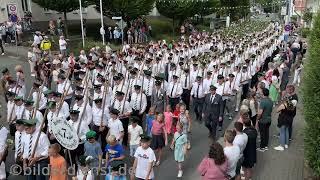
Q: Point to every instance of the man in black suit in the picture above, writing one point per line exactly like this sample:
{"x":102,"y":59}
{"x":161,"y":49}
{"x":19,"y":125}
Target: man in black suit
{"x":212,"y":111}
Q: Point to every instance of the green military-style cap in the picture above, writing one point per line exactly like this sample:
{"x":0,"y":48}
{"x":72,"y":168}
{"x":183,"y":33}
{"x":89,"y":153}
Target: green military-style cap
{"x":30,"y":122}
{"x":18,"y":98}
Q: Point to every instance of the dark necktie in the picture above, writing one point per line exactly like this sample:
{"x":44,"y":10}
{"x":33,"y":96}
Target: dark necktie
{"x":19,"y":144}
{"x":119,"y":106}
{"x":186,"y":82}
{"x":136,"y":103}
{"x":172,"y":90}
{"x":147,"y":93}
{"x":30,"y":146}
{"x":198,"y":90}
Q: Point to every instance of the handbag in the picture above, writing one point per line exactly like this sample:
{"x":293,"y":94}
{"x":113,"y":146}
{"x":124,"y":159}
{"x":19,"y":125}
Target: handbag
{"x":173,"y":146}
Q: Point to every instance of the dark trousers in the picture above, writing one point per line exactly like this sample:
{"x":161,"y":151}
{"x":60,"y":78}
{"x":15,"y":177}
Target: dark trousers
{"x":125,"y":123}
{"x":148,"y":104}
{"x":197,"y":107}
{"x":38,"y":171}
{"x":136,"y":113}
{"x":245,"y":90}
{"x":185,"y":96}
{"x":264,"y":134}
{"x":12,"y":129}
{"x":103,"y":134}
{"x":211,"y":124}
{"x":290,"y":129}
{"x":1,"y":46}
{"x":75,"y":154}
{"x":173,"y":102}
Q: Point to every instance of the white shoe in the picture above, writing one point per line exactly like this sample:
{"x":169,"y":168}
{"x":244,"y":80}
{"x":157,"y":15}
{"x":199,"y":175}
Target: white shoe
{"x":180,"y":174}
{"x":230,"y":117}
{"x":237,"y":109}
{"x":2,"y":54}
{"x":286,"y":146}
{"x":279,"y":148}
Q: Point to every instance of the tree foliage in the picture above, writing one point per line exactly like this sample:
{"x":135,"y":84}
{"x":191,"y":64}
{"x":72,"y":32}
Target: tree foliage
{"x":311,"y":97}
{"x":307,"y":15}
{"x":127,"y":9}
{"x":236,"y":13}
{"x":63,"y":6}
{"x":205,"y":7}
{"x":178,"y":10}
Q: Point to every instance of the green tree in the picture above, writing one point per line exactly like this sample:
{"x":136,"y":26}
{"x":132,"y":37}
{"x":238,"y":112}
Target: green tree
{"x":311,"y":99}
{"x":63,"y":6}
{"x":205,"y":7}
{"x":233,"y":8}
{"x":177,"y":10}
{"x":127,"y":9}
{"x":307,"y":15}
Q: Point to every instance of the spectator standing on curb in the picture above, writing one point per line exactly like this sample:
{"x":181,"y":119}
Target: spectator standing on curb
{"x":63,"y":46}
{"x":249,"y":152}
{"x":264,"y":119}
{"x":215,"y":165}
{"x":232,"y":153}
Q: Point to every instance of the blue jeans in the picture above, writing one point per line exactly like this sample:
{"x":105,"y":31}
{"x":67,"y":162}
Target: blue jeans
{"x":284,"y":135}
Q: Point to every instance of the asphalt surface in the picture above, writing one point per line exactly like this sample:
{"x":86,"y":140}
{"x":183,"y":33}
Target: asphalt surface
{"x":272,"y":165}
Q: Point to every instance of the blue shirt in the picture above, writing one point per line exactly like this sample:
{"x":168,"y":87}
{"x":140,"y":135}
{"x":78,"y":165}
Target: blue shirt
{"x":149,"y":120}
{"x":94,"y":150}
{"x":114,"y":151}
{"x":108,"y":177}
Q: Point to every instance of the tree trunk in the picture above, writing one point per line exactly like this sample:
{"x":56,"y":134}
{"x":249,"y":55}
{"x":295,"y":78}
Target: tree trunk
{"x":65,"y":24}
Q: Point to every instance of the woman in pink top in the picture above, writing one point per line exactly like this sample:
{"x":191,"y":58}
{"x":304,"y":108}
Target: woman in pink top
{"x":159,"y":136}
{"x":214,"y":166}
{"x":168,"y":119}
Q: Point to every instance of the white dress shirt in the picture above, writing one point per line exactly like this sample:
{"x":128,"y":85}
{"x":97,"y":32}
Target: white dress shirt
{"x":148,"y":85}
{"x":123,"y":106}
{"x":87,"y":117}
{"x":174,"y":90}
{"x":19,"y":140}
{"x":82,"y":130}
{"x":138,"y":102}
{"x":62,"y":91}
{"x":185,"y":81}
{"x":198,"y":90}
{"x":97,"y":115}
{"x":42,"y":102}
{"x":42,"y":147}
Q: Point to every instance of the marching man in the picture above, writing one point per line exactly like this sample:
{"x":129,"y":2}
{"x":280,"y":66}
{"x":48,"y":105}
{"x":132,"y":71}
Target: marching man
{"x":138,"y":103}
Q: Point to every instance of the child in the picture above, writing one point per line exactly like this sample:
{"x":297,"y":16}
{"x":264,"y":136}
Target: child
{"x":176,"y":113}
{"x":179,"y":145}
{"x":58,"y":165}
{"x":150,"y":117}
{"x":93,"y":148}
{"x":168,"y":119}
{"x":3,"y":151}
{"x":159,"y":136}
{"x":84,"y":172}
{"x":116,"y":171}
{"x":144,"y":160}
{"x":134,"y":131}
{"x":114,"y":150}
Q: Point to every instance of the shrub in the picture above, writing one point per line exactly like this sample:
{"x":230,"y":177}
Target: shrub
{"x":305,"y":32}
{"x":311,"y":97}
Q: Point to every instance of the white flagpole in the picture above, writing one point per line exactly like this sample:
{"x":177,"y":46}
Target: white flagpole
{"x":101,"y":17}
{"x":81,"y":20}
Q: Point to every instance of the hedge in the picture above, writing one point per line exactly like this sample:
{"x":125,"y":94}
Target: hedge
{"x":311,"y":97}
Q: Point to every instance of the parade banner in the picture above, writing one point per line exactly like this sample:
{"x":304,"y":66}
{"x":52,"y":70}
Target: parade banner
{"x":64,"y":133}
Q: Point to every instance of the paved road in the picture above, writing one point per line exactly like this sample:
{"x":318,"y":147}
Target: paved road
{"x":272,"y":165}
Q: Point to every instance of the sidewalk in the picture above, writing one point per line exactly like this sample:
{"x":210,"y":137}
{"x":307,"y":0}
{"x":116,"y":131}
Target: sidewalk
{"x":11,"y":50}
